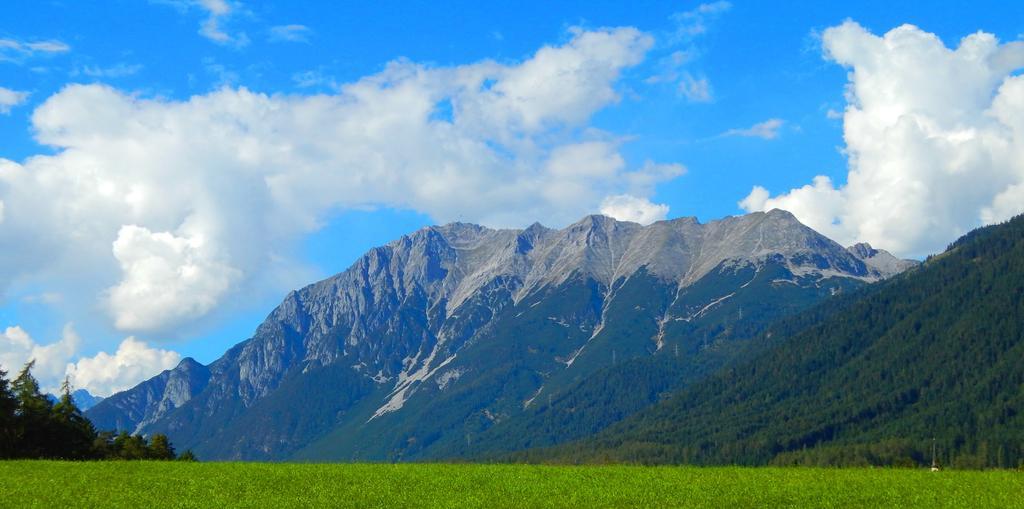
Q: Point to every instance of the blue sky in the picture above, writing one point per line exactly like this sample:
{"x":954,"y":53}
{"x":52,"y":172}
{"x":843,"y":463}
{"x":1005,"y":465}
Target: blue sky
{"x":719,"y":97}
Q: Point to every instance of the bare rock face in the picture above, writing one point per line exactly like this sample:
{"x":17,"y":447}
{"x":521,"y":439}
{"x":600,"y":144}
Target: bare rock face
{"x":402,"y":314}
{"x":147,"y":402}
{"x":880,"y":260}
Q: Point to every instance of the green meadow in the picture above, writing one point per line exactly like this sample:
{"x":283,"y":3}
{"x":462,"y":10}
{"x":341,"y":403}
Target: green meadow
{"x":171,"y":484}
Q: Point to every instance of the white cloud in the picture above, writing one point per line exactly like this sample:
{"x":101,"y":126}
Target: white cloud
{"x":166,"y":278}
{"x":12,"y":50}
{"x":17,"y":348}
{"x":290,"y":33}
{"x":102,"y":374}
{"x":218,"y":13}
{"x":694,"y":22}
{"x":934,"y":138}
{"x":169,"y":208}
{"x":767,"y":130}
{"x":587,"y":159}
{"x":119,"y":70}
{"x":11,"y":98}
{"x":681,"y":45}
{"x":625,"y":207}
{"x":52,"y":46}
{"x":755,"y":200}
{"x":133,"y":362}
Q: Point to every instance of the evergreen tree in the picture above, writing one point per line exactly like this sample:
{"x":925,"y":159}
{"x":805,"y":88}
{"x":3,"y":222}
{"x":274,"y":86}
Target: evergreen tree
{"x":74,"y":433}
{"x":31,"y":426}
{"x":103,"y":445}
{"x":8,"y":407}
{"x":32,"y":419}
{"x":130,"y":447}
{"x":160,"y":448}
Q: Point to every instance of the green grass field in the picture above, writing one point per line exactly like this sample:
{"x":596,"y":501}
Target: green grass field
{"x":156,"y":484}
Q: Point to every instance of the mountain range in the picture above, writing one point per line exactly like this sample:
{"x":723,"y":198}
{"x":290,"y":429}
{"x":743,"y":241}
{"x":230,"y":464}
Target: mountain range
{"x":460,"y":340}
{"x":84,"y":400}
{"x":928,"y":359}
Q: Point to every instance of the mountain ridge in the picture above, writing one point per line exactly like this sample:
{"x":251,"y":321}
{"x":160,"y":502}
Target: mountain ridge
{"x":402,"y":314}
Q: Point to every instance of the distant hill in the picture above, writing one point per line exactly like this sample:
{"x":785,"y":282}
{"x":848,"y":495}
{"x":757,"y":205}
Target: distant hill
{"x":868,"y":378}
{"x":455,"y":339}
{"x":83,"y":399}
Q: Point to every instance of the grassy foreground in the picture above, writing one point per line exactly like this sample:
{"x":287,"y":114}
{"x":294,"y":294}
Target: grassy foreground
{"x":166,"y":484}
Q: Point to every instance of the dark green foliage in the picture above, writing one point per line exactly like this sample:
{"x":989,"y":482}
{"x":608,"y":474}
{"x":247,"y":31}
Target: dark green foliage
{"x":70,"y":428}
{"x":129,"y":447}
{"x":34,"y":423}
{"x":160,"y":448}
{"x":324,"y":394}
{"x":935,"y":352}
{"x":691,"y":351}
{"x":8,"y":407}
{"x":33,"y":427}
{"x":123,"y":446}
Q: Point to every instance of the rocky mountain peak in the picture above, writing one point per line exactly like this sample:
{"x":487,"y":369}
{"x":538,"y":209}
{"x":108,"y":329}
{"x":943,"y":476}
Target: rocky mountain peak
{"x":862,"y":250}
{"x":402,"y":316}
{"x":782,"y":215}
{"x":879,"y":259}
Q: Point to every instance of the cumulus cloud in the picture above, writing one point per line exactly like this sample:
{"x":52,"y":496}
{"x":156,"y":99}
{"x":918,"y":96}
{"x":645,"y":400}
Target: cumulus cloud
{"x":102,"y":374}
{"x":18,"y":348}
{"x":10,"y":98}
{"x":134,"y":361}
{"x":290,"y":33}
{"x":625,"y":207}
{"x":767,"y":130}
{"x":166,"y":278}
{"x":934,"y":138}
{"x":172,"y":207}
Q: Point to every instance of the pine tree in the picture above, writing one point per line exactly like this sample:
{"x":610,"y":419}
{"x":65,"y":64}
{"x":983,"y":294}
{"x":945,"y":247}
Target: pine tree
{"x":103,"y":445}
{"x":130,"y":447}
{"x":160,"y":448}
{"x":31,"y":426}
{"x":8,"y":407}
{"x":74,"y":433}
{"x":32,"y":419}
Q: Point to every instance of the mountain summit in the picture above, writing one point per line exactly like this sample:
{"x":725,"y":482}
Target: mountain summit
{"x":425,"y":344}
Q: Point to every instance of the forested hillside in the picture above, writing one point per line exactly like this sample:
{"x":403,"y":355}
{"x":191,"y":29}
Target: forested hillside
{"x":935,"y":352}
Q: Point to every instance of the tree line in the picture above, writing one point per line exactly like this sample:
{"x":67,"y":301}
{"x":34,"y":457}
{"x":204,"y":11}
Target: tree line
{"x":34,"y":427}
